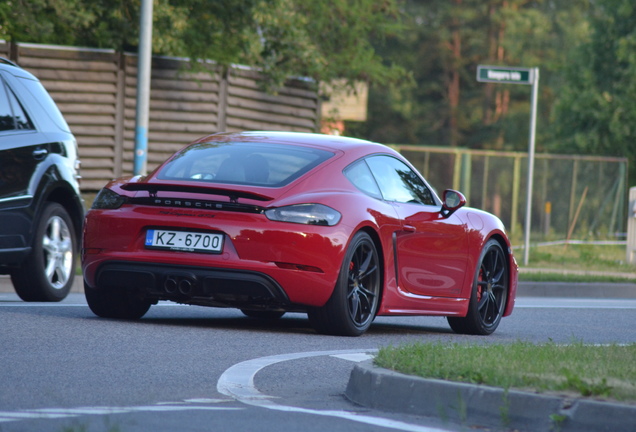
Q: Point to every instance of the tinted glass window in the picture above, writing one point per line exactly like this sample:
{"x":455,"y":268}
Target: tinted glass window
{"x":21,"y":119}
{"x":243,"y":163}
{"x":7,"y":121}
{"x":45,"y":100}
{"x":12,"y":115}
{"x":361,"y":177}
{"x":398,"y":182}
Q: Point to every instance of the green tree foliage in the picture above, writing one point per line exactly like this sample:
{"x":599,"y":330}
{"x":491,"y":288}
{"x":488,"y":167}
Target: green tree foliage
{"x":329,"y":39}
{"x":596,"y":110}
{"x":318,"y":39}
{"x":444,"y":42}
{"x":43,"y":21}
{"x":585,"y":49}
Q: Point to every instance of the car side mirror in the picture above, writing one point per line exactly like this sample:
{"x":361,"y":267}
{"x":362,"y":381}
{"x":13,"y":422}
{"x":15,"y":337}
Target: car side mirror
{"x":452,"y":200}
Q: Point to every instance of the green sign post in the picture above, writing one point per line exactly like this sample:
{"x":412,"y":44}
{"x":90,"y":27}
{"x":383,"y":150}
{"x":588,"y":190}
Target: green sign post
{"x":505,"y":75}
{"x":527,"y":76}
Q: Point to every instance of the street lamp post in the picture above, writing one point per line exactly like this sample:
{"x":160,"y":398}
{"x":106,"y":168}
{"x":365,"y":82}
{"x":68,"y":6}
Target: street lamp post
{"x":144,"y":64}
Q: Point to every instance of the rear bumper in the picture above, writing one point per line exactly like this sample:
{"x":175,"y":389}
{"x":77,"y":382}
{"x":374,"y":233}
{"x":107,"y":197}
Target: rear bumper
{"x":295,"y":264}
{"x":193,"y":285}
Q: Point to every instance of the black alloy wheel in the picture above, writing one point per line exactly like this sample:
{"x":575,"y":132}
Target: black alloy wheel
{"x":489,"y":293}
{"x":354,"y":302}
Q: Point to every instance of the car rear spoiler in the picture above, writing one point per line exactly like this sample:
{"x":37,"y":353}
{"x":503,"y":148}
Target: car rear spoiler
{"x":234,"y":195}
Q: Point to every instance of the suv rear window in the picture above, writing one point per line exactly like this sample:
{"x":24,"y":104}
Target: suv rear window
{"x":259,"y":164}
{"x":44,"y":99}
{"x":12,"y":115}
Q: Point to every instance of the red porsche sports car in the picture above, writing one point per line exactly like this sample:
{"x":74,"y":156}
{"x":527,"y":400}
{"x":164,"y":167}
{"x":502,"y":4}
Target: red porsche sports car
{"x":269,"y":222}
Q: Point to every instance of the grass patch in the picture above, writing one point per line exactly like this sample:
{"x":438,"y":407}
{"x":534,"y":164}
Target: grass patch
{"x":602,"y":372}
{"x":576,"y":257}
{"x":575,"y":370}
{"x":577,"y":263}
{"x":573,"y":278}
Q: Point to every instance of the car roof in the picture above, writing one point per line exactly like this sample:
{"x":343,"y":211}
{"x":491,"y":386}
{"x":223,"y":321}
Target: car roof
{"x":327,"y":142}
{"x":14,"y":69}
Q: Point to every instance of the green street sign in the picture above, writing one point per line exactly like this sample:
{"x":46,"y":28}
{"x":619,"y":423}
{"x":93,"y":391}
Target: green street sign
{"x":514,"y":75}
{"x":505,"y":75}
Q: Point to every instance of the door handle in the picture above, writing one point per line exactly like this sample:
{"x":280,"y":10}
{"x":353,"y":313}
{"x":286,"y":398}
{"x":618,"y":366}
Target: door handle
{"x":40,"y":153}
{"x":409,"y":228}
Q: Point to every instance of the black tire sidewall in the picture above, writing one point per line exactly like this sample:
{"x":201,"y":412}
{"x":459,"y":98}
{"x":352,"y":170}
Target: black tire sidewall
{"x":115,"y":303}
{"x":473,"y":313}
{"x":29,"y":280}
{"x":338,"y":306}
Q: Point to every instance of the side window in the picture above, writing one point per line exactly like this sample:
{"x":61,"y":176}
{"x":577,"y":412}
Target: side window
{"x":45,"y":101}
{"x":398,"y":182}
{"x":12,"y":116}
{"x":361,"y":177}
{"x":22,"y":120}
{"x":6,"y":114}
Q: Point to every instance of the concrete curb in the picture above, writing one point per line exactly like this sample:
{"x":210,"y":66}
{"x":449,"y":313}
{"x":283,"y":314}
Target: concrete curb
{"x":577,"y":289}
{"x":483,"y":406}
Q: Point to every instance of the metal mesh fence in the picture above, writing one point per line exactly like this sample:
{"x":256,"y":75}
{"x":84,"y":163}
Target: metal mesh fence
{"x":574,"y":197}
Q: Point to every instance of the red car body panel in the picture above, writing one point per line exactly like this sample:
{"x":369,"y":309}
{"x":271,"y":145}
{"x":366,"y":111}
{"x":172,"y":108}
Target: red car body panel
{"x":428,"y":260}
{"x":246,"y":247}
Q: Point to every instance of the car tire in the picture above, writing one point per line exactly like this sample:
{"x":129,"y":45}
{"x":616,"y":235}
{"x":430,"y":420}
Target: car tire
{"x":48,"y":272}
{"x":353,"y":304}
{"x":263,"y":314}
{"x":116,"y":303}
{"x":488,"y":295}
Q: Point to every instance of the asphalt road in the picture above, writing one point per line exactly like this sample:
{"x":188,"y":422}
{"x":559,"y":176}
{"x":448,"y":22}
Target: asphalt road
{"x":181,"y":368}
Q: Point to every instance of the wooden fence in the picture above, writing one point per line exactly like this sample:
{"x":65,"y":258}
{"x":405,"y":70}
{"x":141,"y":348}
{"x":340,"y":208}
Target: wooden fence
{"x":96,"y":91}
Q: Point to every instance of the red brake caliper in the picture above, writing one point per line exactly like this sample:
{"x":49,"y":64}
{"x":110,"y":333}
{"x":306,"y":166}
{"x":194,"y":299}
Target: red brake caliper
{"x":480,"y":289}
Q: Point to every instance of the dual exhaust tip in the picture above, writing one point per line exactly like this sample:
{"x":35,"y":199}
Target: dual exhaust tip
{"x":179,"y":284}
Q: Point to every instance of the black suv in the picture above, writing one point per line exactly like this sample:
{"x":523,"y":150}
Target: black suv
{"x":41,"y":210}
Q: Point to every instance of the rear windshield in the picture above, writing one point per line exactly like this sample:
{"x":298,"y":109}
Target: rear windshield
{"x":257,"y":164}
{"x":45,"y":100}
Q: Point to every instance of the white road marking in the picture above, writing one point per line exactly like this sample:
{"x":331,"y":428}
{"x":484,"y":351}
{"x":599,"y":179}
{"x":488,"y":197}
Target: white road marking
{"x":16,"y":304}
{"x":355,"y":357}
{"x":238,"y":382}
{"x":57,"y":413}
{"x":19,"y":303}
{"x":12,"y":300}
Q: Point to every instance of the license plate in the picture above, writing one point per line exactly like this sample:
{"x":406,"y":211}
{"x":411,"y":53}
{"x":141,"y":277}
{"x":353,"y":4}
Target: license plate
{"x":184,"y":241}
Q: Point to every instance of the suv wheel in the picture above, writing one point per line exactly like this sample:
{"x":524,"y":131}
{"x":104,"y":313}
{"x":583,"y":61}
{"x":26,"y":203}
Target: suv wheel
{"x":48,"y":272}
